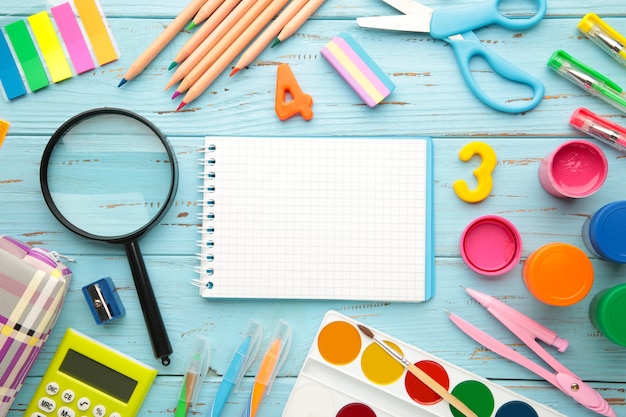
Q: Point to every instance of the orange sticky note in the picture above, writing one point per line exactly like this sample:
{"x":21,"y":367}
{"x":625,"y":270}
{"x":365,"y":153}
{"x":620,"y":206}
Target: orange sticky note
{"x":300,"y":103}
{"x":50,"y":46}
{"x":4,"y":128}
{"x":97,"y":32}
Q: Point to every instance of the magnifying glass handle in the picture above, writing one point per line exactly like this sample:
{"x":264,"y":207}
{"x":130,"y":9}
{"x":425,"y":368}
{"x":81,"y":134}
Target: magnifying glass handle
{"x":151,"y":313}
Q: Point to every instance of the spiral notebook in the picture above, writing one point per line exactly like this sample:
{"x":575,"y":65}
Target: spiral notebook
{"x":317,"y":218}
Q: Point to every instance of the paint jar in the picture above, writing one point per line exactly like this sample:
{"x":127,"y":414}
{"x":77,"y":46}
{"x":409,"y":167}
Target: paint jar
{"x":575,"y":169}
{"x":558,"y":274}
{"x":607,"y":311}
{"x":491,"y":245}
{"x":603,"y":233}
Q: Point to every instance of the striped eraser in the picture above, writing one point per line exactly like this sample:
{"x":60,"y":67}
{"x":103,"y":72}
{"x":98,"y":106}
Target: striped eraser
{"x":358,"y":69}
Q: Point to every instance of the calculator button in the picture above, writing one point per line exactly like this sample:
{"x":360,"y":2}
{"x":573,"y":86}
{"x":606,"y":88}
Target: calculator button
{"x":66,"y":412}
{"x":52,"y":388}
{"x":37,"y":414}
{"x":83,"y":404}
{"x":47,"y":404}
{"x":115,"y":414}
{"x":68,"y":396}
{"x":99,"y":410}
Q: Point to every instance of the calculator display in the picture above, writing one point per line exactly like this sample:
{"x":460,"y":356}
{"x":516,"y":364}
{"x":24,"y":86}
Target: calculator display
{"x":97,"y":375}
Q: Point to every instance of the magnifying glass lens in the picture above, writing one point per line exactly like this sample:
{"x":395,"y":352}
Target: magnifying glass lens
{"x":109,"y":176}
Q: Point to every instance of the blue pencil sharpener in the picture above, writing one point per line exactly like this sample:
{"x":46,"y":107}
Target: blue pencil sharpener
{"x":103,"y":300}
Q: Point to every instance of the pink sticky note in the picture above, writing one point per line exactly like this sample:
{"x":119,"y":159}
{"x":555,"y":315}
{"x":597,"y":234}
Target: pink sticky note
{"x":73,"y":37}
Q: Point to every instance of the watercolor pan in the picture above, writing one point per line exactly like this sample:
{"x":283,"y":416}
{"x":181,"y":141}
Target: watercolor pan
{"x":347,"y":375}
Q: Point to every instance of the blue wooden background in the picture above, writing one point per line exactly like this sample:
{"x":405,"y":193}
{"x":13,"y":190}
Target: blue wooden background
{"x":430,"y":99}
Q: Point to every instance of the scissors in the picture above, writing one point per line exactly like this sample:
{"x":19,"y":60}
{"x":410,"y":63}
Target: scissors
{"x":455,"y":26}
{"x":528,"y":331}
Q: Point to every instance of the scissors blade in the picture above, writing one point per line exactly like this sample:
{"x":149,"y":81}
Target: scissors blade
{"x":405,"y":23}
{"x":409,"y":7}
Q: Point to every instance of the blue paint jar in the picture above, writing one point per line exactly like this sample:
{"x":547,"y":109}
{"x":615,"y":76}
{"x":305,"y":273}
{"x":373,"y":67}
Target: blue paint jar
{"x":604,"y":232}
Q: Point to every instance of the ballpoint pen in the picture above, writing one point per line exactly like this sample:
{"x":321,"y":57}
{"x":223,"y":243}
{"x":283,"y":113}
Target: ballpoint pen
{"x":194,"y":375}
{"x":603,"y":35}
{"x":588,"y":79}
{"x":528,"y":331}
{"x":270,"y":365}
{"x":599,"y":127}
{"x":241,"y":361}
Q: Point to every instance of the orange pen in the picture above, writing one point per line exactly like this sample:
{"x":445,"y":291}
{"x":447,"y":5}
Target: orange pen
{"x":270,"y":365}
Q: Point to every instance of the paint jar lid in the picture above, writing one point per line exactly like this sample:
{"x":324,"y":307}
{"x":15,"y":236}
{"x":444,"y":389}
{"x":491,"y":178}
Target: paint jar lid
{"x":558,"y":274}
{"x":607,"y":229}
{"x":491,"y":245}
{"x":607,"y":312}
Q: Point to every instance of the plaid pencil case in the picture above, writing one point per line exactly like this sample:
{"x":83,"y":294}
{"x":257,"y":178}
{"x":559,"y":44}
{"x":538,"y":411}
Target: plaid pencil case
{"x":33,"y":285}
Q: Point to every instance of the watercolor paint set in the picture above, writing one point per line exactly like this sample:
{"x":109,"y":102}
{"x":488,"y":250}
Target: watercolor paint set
{"x":346,"y":374}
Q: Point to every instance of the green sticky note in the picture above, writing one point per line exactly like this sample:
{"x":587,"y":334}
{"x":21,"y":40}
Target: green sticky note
{"x":27,"y":55}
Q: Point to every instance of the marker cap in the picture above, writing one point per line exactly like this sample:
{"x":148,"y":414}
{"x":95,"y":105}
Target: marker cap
{"x":558,"y":274}
{"x":491,"y":245}
{"x":607,"y":311}
{"x":604,"y":232}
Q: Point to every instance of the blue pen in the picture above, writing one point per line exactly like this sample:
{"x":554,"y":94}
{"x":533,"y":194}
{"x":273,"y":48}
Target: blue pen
{"x":243,"y":358}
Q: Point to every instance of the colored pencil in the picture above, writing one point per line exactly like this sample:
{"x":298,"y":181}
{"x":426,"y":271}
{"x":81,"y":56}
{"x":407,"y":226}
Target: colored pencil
{"x":298,"y":20}
{"x":161,"y":41}
{"x":207,"y":28}
{"x":269,"y":34}
{"x":429,"y":381}
{"x":216,"y":43}
{"x":227,"y":57}
{"x":203,"y":14}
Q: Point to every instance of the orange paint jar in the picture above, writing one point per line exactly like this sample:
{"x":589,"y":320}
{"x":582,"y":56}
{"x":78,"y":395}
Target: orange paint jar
{"x":558,"y":274}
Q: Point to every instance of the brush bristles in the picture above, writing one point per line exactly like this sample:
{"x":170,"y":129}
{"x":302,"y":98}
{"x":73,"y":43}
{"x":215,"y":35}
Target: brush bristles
{"x":366,"y":331}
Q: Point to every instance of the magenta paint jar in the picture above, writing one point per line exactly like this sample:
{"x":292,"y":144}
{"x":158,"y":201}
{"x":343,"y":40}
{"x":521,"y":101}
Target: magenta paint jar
{"x":575,"y":169}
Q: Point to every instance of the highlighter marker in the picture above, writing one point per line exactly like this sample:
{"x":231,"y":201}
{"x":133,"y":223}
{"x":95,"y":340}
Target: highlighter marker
{"x":600,"y":128}
{"x":241,"y":361}
{"x":272,"y":361}
{"x":603,"y":35}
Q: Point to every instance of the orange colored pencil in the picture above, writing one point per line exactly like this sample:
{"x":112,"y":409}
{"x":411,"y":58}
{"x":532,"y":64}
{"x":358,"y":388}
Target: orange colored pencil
{"x":269,"y":34}
{"x":204,"y":13}
{"x":231,"y":53}
{"x":302,"y":16}
{"x":205,"y":30}
{"x":161,"y":41}
{"x":230,"y":28}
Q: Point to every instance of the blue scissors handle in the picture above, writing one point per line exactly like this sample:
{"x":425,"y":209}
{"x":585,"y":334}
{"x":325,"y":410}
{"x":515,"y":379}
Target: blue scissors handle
{"x":450,"y":21}
{"x":468,"y":47}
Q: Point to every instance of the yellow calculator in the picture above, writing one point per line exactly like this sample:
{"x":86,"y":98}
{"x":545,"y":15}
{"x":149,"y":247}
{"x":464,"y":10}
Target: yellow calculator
{"x":88,"y":378}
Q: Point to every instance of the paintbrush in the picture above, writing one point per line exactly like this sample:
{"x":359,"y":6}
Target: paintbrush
{"x":420,"y":374}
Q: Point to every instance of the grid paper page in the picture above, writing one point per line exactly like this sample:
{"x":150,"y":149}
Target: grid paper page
{"x":315,"y":218}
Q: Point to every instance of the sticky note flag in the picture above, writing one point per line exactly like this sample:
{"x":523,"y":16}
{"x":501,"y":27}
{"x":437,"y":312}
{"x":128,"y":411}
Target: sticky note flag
{"x":50,"y":46}
{"x":73,"y":37}
{"x":4,"y":128}
{"x":358,"y":69}
{"x":27,"y":54}
{"x":93,"y":22}
{"x":9,"y":74}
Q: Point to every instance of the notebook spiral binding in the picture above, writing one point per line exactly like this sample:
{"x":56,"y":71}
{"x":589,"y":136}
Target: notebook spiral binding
{"x":206,"y":243}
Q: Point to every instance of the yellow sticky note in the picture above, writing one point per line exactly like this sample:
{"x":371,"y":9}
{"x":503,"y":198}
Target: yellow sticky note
{"x":4,"y":128}
{"x":50,"y":47}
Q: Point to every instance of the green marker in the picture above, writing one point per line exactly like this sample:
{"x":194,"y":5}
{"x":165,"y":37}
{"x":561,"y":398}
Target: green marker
{"x":588,"y":79}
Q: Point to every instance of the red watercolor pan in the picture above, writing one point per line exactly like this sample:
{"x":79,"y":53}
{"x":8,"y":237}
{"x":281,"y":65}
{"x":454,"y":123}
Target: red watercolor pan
{"x":347,"y":375}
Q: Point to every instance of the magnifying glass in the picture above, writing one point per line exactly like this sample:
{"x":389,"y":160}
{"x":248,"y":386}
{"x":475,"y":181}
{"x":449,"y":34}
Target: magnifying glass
{"x":110,"y":175}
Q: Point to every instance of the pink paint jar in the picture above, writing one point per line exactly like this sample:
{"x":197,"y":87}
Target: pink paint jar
{"x":491,"y":245}
{"x":575,"y":169}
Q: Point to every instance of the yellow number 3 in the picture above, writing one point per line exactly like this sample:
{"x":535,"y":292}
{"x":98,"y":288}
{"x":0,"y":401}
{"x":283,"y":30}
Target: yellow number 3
{"x":482,"y":173}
